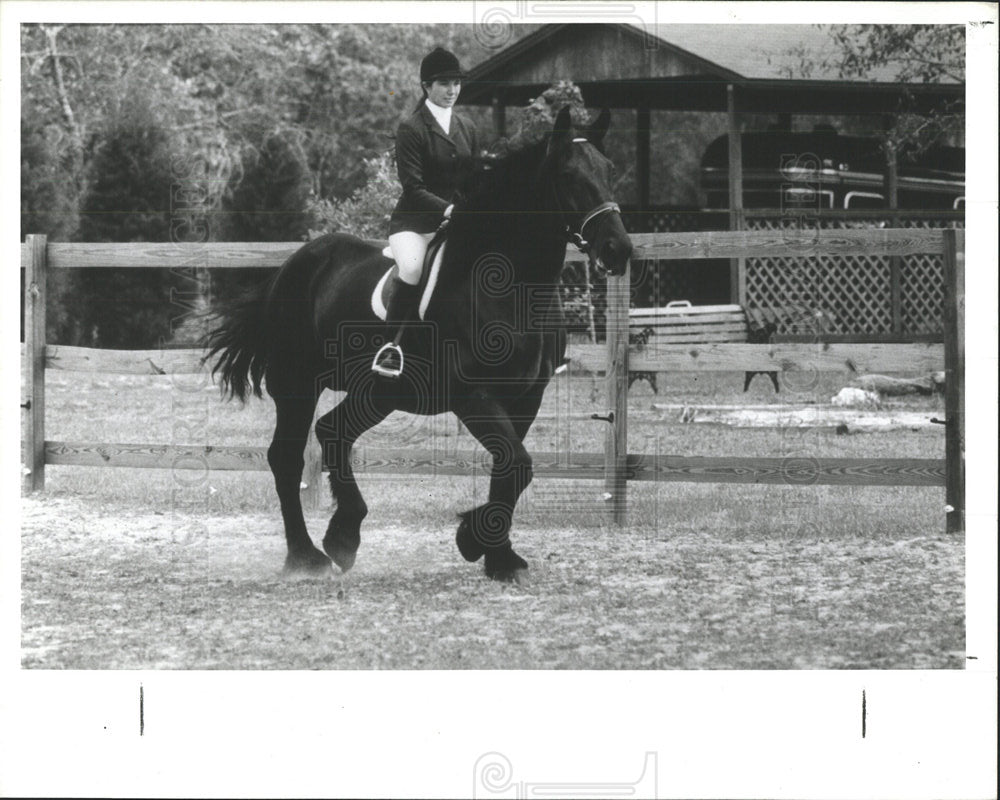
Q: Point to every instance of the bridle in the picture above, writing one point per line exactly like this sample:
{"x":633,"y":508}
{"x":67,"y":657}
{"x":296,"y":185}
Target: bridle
{"x":576,"y":237}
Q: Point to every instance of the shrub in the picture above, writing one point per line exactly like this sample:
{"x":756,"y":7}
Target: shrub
{"x":366,"y":212}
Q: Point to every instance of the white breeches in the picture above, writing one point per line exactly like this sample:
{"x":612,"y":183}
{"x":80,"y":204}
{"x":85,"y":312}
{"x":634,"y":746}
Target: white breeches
{"x":408,"y":250}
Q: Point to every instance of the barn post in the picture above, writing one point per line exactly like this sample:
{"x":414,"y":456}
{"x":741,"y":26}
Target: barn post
{"x":499,"y":116}
{"x":616,"y":381}
{"x":892,"y":200}
{"x":737,"y":266}
{"x":33,"y":365}
{"x":954,"y":366}
{"x":642,"y":161}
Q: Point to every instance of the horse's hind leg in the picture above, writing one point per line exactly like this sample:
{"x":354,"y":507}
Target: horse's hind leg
{"x":337,"y":432}
{"x":285,"y":457}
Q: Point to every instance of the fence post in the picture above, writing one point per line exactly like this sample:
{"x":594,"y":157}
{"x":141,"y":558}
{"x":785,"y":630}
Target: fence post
{"x":954,"y":366}
{"x":737,"y":266}
{"x":33,"y":366}
{"x":616,"y":377}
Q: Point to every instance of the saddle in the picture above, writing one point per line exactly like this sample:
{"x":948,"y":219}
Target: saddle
{"x":428,"y":277}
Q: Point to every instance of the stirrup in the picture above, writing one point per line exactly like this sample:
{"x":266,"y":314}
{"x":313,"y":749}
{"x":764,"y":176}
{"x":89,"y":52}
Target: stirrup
{"x":388,"y":372}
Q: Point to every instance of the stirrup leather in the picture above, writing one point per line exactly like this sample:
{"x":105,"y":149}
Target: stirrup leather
{"x":388,"y":372}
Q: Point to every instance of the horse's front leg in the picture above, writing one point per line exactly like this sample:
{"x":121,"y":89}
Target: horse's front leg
{"x":337,"y":432}
{"x":522,"y":411}
{"x":485,"y":530}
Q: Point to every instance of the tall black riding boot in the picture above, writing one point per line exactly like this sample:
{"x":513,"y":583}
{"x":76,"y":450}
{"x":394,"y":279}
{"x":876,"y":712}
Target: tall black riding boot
{"x":402,"y":308}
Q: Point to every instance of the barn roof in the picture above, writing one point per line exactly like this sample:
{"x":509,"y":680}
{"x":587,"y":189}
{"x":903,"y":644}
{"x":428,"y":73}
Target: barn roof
{"x":776,"y":52}
{"x":688,"y":66}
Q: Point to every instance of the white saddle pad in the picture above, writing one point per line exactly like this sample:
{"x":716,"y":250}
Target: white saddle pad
{"x":378,"y":306}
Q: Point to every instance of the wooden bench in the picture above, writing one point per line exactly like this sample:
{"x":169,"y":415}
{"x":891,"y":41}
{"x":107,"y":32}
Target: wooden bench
{"x":679,"y":322}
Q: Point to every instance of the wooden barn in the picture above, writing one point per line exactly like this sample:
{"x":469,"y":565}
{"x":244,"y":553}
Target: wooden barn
{"x":771,"y":165}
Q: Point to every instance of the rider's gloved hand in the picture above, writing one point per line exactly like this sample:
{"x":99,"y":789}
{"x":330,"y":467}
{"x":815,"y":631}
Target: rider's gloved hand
{"x":447,"y":211}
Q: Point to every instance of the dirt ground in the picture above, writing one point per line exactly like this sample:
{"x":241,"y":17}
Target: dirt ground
{"x":113,"y":585}
{"x":143,"y":568}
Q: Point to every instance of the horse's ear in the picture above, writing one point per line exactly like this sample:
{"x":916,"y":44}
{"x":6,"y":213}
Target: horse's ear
{"x":599,"y":128}
{"x":561,"y":131}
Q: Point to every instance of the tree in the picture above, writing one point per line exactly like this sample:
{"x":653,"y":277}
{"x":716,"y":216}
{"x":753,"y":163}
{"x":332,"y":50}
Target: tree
{"x":237,"y":101}
{"x":268,"y":203}
{"x":128,"y":200}
{"x":905,"y":54}
{"x":914,"y":53}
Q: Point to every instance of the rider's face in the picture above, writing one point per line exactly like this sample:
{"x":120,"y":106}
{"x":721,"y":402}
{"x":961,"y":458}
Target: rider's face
{"x":444,"y":93}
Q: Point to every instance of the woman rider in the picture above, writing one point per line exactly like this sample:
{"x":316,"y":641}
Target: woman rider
{"x":434,"y":153}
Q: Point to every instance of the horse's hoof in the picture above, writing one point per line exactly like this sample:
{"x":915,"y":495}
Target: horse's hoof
{"x":342,"y":540}
{"x":342,"y":550}
{"x":518,"y":577}
{"x":342,"y":558}
{"x":506,"y":566}
{"x":309,"y":563}
{"x":470,"y":549}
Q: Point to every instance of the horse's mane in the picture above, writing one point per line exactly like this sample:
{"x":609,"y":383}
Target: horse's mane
{"x":500,"y":181}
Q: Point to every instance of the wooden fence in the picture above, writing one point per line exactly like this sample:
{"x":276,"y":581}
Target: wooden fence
{"x":616,"y":466}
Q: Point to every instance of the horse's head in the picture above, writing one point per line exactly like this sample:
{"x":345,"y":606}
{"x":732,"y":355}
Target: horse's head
{"x":580,"y":178}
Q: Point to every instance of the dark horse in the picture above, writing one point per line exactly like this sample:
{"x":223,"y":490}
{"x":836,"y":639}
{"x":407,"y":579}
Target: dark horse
{"x":490,"y":341}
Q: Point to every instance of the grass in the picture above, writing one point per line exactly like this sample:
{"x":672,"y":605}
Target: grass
{"x":142,"y":568}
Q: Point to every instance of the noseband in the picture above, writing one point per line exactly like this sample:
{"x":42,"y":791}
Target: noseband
{"x":576,"y":237}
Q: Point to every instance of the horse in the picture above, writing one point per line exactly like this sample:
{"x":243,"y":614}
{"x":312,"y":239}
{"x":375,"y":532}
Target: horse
{"x":491,"y":338}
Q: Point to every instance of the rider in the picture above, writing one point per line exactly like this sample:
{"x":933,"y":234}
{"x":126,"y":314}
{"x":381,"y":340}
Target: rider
{"x":434,"y":153}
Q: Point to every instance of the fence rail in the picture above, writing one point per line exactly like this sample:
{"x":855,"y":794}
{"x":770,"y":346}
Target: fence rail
{"x":675,"y":246}
{"x":777,"y":357}
{"x":573,"y":466}
{"x":616,"y":466}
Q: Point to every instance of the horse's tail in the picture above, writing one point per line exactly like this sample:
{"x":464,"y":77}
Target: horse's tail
{"x":240,"y":341}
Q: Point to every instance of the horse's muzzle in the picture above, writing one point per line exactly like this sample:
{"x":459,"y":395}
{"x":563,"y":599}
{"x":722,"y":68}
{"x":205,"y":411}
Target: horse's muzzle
{"x":612,"y":248}
{"x":614,"y":254}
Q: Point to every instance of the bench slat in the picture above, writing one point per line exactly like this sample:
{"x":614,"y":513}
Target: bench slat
{"x":695,"y":338}
{"x":687,"y":324}
{"x":660,"y":330}
{"x":687,"y":309}
{"x":686,"y":319}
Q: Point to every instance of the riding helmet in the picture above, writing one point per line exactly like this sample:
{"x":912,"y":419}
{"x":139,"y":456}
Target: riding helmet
{"x":440,"y":64}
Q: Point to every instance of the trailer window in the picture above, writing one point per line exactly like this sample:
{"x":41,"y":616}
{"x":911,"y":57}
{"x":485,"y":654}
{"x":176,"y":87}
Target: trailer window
{"x":804,"y":197}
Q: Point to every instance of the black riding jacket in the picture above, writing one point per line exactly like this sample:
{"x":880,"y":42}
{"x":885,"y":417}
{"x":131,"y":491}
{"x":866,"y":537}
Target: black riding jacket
{"x":431,"y":165}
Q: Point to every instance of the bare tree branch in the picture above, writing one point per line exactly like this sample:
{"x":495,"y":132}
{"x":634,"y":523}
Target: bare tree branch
{"x":51,"y":33}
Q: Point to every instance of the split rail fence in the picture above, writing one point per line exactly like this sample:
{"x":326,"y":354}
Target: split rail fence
{"x":616,"y":466}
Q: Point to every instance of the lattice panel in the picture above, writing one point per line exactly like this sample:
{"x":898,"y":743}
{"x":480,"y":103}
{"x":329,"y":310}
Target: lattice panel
{"x":832,"y":296}
{"x":922,"y":294}
{"x":848,"y":295}
{"x":836,"y":296}
{"x":922,"y":285}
